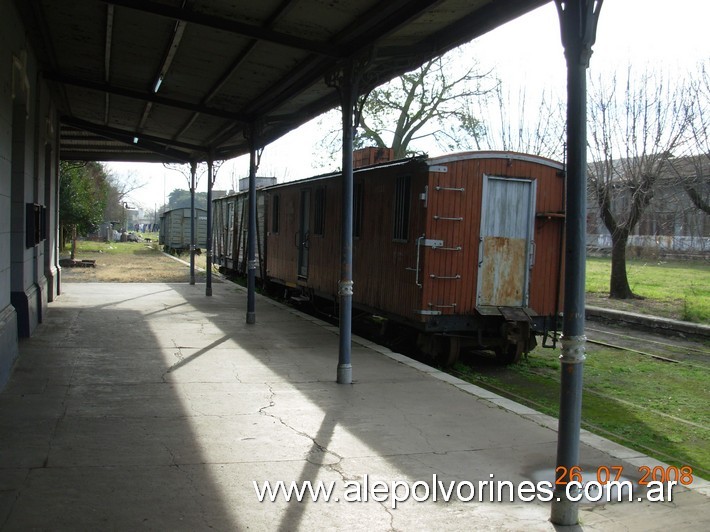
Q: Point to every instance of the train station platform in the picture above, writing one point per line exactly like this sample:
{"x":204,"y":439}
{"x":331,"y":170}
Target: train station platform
{"x":151,"y":406}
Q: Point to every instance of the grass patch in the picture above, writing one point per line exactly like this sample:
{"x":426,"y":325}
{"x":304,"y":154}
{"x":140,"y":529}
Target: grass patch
{"x":677,"y":290}
{"x":130,"y":262}
{"x":654,"y":407}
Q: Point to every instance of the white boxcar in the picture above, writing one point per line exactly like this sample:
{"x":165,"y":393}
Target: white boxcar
{"x":175,"y":230}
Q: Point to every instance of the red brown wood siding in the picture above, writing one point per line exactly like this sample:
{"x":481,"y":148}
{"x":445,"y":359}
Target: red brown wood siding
{"x":458,"y":296}
{"x":384,"y":268}
{"x":380,"y":264}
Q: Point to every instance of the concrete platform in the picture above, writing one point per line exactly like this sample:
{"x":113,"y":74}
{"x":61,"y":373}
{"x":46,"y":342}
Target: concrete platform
{"x":151,"y":406}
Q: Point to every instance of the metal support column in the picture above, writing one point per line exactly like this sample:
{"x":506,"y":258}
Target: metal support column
{"x":210,"y":183}
{"x":578,"y":23}
{"x":193,"y":172}
{"x":251,"y":234}
{"x":348,"y":94}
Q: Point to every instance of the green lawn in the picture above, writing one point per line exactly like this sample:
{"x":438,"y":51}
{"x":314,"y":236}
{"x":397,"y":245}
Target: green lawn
{"x":655,"y":407}
{"x":647,"y":404}
{"x":679,"y":290}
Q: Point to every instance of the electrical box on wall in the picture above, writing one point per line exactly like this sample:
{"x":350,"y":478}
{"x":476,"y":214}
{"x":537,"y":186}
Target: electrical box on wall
{"x":35,"y":224}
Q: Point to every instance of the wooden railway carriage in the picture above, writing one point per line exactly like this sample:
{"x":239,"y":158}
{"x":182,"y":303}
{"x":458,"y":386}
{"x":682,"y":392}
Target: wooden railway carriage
{"x":230,"y":229}
{"x":467,"y":248}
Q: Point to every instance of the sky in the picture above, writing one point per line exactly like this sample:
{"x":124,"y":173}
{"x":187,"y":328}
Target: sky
{"x":646,"y":34}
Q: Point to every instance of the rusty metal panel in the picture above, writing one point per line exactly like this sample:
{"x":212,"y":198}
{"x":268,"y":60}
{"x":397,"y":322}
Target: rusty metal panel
{"x":502,"y":272}
{"x":505,"y":259}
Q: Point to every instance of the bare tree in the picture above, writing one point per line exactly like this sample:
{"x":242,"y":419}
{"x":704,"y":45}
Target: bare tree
{"x":119,"y":192}
{"x":185,"y":170}
{"x":696,"y":179}
{"x":423,"y":103}
{"x":510,"y":126}
{"x":636,"y":125}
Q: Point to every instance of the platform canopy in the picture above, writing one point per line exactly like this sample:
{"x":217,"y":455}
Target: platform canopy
{"x":172,"y":80}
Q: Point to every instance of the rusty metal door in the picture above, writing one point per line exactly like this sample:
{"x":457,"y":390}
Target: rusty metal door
{"x":506,"y":246}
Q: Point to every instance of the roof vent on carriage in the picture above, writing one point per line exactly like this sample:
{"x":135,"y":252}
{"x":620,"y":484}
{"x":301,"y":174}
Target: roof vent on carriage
{"x":371,"y":155}
{"x":261,"y":182}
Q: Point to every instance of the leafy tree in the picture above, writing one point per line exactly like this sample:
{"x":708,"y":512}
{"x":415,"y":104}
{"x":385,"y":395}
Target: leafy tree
{"x":635,"y":128}
{"x":83,"y":195}
{"x":180,"y":199}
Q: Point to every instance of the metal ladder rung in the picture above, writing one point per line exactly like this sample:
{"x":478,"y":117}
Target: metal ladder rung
{"x":458,"y":219}
{"x":445,"y":277}
{"x":450,"y":188}
{"x":457,"y":248}
{"x":452,"y":305}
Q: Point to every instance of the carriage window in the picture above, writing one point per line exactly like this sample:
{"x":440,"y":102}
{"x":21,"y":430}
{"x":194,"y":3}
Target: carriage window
{"x":319,"y":214}
{"x":357,"y":209}
{"x":401,"y":208}
{"x":275,"y":214}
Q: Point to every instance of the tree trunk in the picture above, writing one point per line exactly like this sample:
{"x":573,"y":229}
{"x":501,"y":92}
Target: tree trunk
{"x":73,"y":242}
{"x":697,"y":199}
{"x":619,"y":283}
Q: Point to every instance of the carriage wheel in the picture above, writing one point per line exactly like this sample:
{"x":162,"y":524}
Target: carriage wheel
{"x":509,"y":352}
{"x":448,"y":349}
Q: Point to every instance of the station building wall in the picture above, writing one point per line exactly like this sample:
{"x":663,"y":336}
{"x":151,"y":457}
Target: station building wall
{"x":29,"y":160}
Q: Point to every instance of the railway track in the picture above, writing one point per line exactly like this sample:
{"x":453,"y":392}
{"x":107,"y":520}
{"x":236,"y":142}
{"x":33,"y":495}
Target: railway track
{"x":645,"y":390}
{"x":667,"y":348}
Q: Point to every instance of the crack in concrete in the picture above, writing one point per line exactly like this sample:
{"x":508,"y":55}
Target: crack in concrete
{"x":56,"y":426}
{"x":192,"y":484}
{"x":180,"y":357}
{"x":18,"y":493}
{"x":25,"y":480}
{"x":335,"y":467}
{"x":321,"y":448}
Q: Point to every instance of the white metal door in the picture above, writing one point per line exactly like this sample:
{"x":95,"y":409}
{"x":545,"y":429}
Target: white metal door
{"x":506,"y":242}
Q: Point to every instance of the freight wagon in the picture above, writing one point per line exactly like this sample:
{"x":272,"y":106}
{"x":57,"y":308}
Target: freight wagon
{"x":175,"y":229}
{"x":466,"y":248}
{"x":230,"y":229}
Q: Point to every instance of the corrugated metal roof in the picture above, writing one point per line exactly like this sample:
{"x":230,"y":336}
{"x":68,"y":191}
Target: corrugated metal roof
{"x":172,"y":80}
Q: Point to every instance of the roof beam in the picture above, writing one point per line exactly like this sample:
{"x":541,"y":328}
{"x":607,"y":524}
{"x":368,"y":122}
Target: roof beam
{"x":382,"y":21}
{"x":281,"y":10}
{"x":130,"y":139}
{"x":104,"y":131}
{"x":107,"y":58}
{"x":124,"y":156}
{"x":218,"y":85}
{"x":168,"y":56}
{"x":142,"y":95}
{"x":484,"y":19}
{"x":359,"y":35}
{"x":231,"y":26}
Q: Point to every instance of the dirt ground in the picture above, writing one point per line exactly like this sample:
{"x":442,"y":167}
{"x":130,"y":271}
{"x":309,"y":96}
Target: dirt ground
{"x":139,"y":263}
{"x":665,"y":309}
